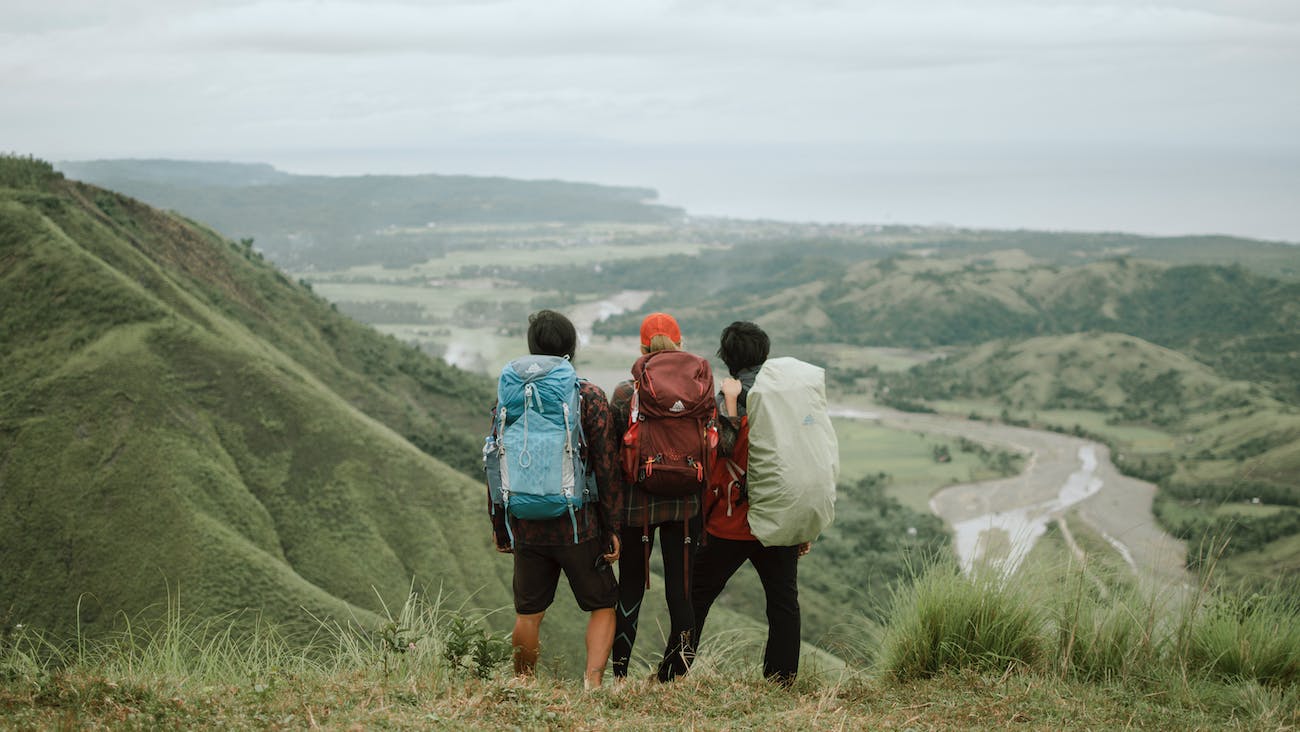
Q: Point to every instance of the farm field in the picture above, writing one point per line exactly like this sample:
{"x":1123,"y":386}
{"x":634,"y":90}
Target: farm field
{"x":908,"y":457}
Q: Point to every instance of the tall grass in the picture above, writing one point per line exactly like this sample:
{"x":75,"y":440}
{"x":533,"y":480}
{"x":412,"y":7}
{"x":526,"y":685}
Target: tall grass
{"x":1060,"y":651}
{"x":425,"y":641}
{"x":1091,"y":629}
{"x":1109,"y":628}
{"x":947,"y":621}
{"x":1253,"y":638}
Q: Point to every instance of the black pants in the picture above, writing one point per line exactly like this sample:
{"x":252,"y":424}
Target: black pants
{"x":778,"y":570}
{"x":680,"y":651}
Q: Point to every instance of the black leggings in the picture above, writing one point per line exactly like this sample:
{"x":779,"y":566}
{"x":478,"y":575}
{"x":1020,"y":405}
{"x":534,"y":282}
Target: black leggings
{"x":631,"y":590}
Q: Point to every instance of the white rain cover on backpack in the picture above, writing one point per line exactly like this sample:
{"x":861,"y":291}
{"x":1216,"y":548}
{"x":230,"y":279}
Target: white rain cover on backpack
{"x":794,"y":458}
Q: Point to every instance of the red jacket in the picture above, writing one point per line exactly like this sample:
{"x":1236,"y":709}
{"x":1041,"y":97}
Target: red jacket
{"x":726,"y":502}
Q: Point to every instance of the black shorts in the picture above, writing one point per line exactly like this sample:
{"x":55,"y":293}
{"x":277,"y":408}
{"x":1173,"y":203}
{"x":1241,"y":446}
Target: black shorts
{"x":537,"y":573}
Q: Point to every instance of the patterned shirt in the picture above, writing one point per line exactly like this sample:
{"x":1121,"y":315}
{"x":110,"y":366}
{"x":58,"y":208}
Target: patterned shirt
{"x":594,"y":521}
{"x":641,"y":508}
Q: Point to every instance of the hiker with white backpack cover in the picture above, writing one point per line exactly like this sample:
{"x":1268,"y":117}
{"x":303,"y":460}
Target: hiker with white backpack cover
{"x":772,"y":487}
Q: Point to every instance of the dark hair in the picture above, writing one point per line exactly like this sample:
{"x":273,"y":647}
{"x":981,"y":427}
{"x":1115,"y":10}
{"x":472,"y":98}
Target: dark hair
{"x":551,"y":334}
{"x":743,"y":345}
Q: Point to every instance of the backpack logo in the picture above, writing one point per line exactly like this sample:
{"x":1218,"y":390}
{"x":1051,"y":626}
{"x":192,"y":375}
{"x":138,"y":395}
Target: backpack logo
{"x":533,"y":369}
{"x":666,"y":449}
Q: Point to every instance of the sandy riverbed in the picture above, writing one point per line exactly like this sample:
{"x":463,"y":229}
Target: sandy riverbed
{"x":1000,"y":520}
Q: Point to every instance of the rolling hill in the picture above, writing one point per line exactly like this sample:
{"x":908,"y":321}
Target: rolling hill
{"x":176,"y":415}
{"x":1243,"y":325}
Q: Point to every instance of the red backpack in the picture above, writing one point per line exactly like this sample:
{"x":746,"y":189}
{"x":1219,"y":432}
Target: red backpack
{"x":672,"y":432}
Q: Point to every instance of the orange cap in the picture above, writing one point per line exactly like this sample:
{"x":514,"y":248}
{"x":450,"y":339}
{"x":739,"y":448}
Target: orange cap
{"x":659,"y":324}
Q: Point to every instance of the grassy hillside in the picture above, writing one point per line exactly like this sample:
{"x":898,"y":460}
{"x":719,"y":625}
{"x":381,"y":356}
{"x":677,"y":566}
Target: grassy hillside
{"x":177,"y":414}
{"x":1133,"y":379}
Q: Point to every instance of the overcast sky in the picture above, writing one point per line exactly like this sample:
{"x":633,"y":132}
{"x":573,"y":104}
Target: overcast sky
{"x":1158,"y":117}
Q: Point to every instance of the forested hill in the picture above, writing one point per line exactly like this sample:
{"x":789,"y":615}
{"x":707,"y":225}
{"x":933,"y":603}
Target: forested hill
{"x":176,"y":413}
{"x":338,"y":221}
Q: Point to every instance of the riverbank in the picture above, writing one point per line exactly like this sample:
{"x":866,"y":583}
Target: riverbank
{"x":1000,"y":520}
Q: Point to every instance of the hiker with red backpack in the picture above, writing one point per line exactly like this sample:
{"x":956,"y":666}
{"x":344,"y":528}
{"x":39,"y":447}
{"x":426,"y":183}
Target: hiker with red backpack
{"x":665,"y":423}
{"x":771,"y":490}
{"x":553,"y":490}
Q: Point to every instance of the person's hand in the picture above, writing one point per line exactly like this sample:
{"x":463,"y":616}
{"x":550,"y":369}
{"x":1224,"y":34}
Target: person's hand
{"x":505,"y":549}
{"x":615,"y":548}
{"x":804,"y":548}
{"x":731,"y":387}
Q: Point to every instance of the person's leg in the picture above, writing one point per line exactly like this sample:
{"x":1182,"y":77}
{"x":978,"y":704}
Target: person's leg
{"x":778,"y":569}
{"x":600,"y":638}
{"x":594,"y":587}
{"x":536,"y":576}
{"x":680,"y":650}
{"x":631,"y":590}
{"x":718,"y":559}
{"x":526,"y":641}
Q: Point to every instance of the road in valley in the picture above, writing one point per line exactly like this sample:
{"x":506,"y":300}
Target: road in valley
{"x":998,"y":521}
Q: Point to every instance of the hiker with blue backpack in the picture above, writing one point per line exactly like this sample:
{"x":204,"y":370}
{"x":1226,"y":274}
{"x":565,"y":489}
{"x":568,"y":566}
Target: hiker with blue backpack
{"x":771,"y":490}
{"x":553,"y":490}
{"x":665,"y":420}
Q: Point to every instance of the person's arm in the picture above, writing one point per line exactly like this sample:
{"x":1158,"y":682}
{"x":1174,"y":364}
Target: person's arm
{"x":597,"y":428}
{"x":731,"y":388}
{"x":728,"y":416}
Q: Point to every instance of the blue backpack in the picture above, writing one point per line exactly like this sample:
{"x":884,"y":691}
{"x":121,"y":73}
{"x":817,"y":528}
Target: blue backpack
{"x":534,"y":456}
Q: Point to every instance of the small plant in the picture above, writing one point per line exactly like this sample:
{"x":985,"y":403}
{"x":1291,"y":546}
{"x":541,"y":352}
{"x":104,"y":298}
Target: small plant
{"x":395,"y":639}
{"x":467,"y":646}
{"x":427,"y":637}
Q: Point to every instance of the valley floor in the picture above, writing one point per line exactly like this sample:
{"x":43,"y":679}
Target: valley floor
{"x":1116,"y":506}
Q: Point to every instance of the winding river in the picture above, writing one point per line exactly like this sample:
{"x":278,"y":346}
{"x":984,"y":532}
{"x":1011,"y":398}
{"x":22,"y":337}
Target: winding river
{"x":997,"y":522}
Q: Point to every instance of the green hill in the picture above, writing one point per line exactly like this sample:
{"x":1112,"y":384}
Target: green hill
{"x":1135,"y":380}
{"x":1245,"y":326}
{"x":176,"y":413}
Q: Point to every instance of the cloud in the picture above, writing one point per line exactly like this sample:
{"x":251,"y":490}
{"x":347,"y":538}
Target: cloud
{"x":291,"y":73}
